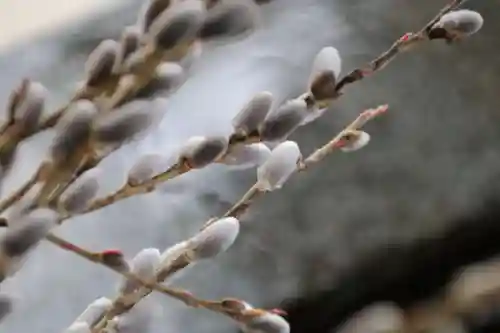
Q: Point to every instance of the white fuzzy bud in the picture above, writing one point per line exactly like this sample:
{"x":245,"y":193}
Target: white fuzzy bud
{"x":247,"y":156}
{"x":147,"y":167}
{"x":462,"y":22}
{"x":354,"y":140}
{"x":143,"y":265}
{"x":200,"y":151}
{"x":253,"y":113}
{"x":214,"y":239}
{"x":22,"y":236}
{"x":168,"y":78}
{"x":267,"y":323}
{"x":136,"y":320}
{"x":177,"y":24}
{"x":279,"y":124}
{"x":325,"y":73}
{"x":129,"y":43}
{"x":229,"y":18}
{"x":74,"y":129}
{"x":78,"y":327}
{"x":94,"y":311}
{"x":30,"y":107}
{"x":79,"y":194}
{"x":280,"y":165}
{"x":101,"y":61}
{"x":124,"y":124}
{"x":193,"y":54}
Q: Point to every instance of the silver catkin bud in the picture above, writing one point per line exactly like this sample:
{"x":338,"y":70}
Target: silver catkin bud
{"x":458,"y":23}
{"x":253,"y":113}
{"x":198,"y":152}
{"x":143,"y":265}
{"x":29,"y":109}
{"x":325,"y":73}
{"x":25,"y":233}
{"x":124,"y":124}
{"x":147,"y":167}
{"x":150,"y":11}
{"x":137,"y":320}
{"x":214,"y":239}
{"x":129,"y":43}
{"x":280,"y":124}
{"x":229,"y":18}
{"x":247,"y":156}
{"x":74,"y":129}
{"x":280,"y":165}
{"x":267,"y":323}
{"x":79,"y":194}
{"x":94,"y":311}
{"x":101,"y":61}
{"x":178,"y":24}
{"x":168,"y":77}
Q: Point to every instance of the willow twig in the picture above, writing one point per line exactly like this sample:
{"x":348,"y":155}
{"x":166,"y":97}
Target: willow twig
{"x":403,"y":44}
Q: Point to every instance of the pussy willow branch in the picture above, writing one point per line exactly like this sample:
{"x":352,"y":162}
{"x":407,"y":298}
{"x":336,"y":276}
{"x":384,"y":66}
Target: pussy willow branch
{"x":405,"y":43}
{"x":182,"y":295}
{"x":237,"y":210}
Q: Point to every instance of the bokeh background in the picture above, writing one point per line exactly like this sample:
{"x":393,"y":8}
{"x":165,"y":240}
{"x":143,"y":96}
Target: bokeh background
{"x":394,"y":221}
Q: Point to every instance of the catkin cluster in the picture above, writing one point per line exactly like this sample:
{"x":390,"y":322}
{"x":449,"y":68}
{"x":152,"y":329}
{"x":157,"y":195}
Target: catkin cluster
{"x":113,"y":105}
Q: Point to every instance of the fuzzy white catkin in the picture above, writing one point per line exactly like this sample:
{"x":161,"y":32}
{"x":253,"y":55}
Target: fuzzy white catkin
{"x":171,"y":76}
{"x":74,"y":129}
{"x":132,"y":119}
{"x":279,"y":124}
{"x":177,"y":24}
{"x":136,"y":320}
{"x":253,"y":113}
{"x":78,"y":327}
{"x":229,"y":18}
{"x":30,"y":109}
{"x":280,"y":165}
{"x":100,"y":62}
{"x":313,"y":113}
{"x":247,"y":156}
{"x":146,"y":167}
{"x":464,"y":21}
{"x":192,"y":56}
{"x":143,"y":265}
{"x":267,"y":323}
{"x":81,"y":192}
{"x":214,"y":239}
{"x":22,"y":236}
{"x":327,"y":59}
{"x":200,"y":151}
{"x":94,"y":311}
{"x":361,"y":140}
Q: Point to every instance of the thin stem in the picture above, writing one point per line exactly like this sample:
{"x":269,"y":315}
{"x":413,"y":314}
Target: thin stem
{"x":19,"y":194}
{"x":405,"y":43}
{"x":182,"y":295}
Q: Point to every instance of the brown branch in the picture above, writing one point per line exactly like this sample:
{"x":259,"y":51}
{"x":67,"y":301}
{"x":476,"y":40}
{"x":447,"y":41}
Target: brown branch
{"x":403,"y":44}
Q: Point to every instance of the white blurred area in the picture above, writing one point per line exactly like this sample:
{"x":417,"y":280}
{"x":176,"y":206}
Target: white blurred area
{"x":21,"y":20}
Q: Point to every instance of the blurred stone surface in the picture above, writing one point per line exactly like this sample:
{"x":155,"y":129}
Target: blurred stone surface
{"x":433,"y":158}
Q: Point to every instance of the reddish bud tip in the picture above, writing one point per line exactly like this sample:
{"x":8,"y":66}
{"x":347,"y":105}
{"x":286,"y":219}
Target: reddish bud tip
{"x":279,"y":312}
{"x":112,"y":252}
{"x":339,"y":144}
{"x":406,"y":37}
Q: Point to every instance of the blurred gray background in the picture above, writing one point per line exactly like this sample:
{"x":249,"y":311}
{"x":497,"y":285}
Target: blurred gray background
{"x":433,"y":158}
